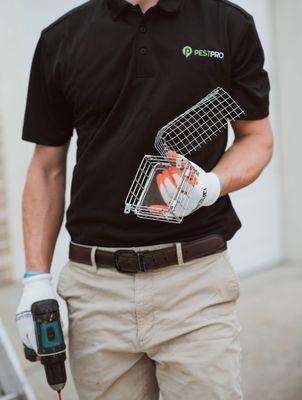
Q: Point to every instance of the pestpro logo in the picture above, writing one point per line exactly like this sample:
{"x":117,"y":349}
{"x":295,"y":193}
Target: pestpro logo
{"x":188,"y":51}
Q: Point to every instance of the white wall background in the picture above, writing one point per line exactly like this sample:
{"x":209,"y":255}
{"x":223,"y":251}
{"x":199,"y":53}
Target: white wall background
{"x":260,"y":241}
{"x":258,"y":244}
{"x":20,"y":27}
{"x":289,"y":60}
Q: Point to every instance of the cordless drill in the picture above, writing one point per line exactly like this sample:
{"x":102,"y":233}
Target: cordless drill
{"x":50,"y":341}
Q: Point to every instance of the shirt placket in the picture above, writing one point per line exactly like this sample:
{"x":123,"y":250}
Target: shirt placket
{"x":143,"y":48}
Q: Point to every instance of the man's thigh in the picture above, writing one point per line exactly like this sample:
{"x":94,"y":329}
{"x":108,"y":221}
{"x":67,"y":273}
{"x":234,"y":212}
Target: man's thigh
{"x":203,"y":364}
{"x":199,"y":355}
{"x":105,"y":361}
{"x":115,"y":376}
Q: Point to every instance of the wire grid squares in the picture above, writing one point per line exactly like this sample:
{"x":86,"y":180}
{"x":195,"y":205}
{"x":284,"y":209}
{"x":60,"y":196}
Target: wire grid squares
{"x":198,"y":125}
{"x":184,"y":134}
{"x":144,"y":198}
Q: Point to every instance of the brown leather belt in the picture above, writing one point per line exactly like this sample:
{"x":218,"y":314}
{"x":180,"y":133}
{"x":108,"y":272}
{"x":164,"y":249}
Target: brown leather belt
{"x":130,"y":261}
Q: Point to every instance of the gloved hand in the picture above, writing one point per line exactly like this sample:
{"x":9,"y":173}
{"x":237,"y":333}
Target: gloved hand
{"x":200,"y":189}
{"x":37,"y":287}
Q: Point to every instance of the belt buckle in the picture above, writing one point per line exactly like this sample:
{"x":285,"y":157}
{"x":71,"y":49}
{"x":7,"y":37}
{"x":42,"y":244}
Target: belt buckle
{"x":139,"y":257}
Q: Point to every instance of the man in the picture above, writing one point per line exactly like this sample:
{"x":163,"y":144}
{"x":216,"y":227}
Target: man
{"x":151,"y":304}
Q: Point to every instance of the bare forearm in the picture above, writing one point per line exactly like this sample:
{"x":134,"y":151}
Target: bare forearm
{"x":244,"y":161}
{"x":43,"y":211}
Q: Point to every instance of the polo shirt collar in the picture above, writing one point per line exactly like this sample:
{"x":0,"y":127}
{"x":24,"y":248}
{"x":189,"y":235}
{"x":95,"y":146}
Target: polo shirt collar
{"x":118,"y":6}
{"x":171,"y":5}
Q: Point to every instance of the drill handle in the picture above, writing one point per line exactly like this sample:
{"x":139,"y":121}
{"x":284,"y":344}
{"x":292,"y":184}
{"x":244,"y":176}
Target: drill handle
{"x":30,"y":354}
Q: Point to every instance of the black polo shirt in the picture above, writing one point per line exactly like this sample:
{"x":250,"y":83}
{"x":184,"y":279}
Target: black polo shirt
{"x":117,"y":76}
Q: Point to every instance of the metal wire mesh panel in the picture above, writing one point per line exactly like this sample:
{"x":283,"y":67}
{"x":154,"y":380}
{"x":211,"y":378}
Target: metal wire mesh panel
{"x":198,"y":125}
{"x":144,"y":198}
{"x":184,"y":134}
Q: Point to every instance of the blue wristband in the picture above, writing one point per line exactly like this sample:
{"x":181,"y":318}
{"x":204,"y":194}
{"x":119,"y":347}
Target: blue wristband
{"x":220,"y":182}
{"x":31,"y":274}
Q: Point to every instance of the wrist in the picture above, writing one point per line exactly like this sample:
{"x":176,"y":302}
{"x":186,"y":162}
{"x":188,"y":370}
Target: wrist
{"x":30,"y":274}
{"x":226,"y":181}
{"x":40,"y":279}
{"x":213,"y":189}
{"x":220,"y":181}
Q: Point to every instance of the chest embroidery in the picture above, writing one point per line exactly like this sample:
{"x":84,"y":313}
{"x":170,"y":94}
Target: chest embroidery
{"x":188,"y":51}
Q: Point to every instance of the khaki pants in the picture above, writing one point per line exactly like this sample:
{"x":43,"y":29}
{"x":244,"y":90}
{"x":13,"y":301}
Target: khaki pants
{"x":174,"y":330}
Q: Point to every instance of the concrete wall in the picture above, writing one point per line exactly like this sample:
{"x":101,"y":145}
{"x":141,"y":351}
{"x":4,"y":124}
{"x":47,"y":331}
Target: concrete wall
{"x":289,"y":58}
{"x":258,"y":244}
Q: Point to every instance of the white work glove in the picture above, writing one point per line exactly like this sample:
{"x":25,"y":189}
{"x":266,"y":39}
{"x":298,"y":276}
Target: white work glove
{"x":203,"y":188}
{"x":36,"y":288}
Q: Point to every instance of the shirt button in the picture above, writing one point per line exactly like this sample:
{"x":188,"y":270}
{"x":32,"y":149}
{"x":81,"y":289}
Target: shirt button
{"x":143,"y":50}
{"x":143,"y":29}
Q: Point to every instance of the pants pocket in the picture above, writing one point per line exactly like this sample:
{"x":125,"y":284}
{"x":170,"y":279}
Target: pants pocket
{"x":62,"y":279}
{"x":234,"y":280}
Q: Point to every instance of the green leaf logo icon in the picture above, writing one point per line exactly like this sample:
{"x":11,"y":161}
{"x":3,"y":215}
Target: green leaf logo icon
{"x":187,"y":51}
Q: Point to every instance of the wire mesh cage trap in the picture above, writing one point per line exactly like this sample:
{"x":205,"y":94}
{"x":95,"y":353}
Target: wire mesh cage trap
{"x":183,"y":135}
{"x":198,"y":125}
{"x":144,"y":197}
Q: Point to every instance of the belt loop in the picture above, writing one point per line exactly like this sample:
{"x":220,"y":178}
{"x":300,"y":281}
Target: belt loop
{"x":179,"y":254}
{"x":92,"y":257}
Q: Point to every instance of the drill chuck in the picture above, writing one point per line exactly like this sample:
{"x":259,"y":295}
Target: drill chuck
{"x":56,"y":376}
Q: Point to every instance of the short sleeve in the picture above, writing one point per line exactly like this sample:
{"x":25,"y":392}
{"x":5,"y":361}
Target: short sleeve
{"x":250,"y":85}
{"x":48,"y":118}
